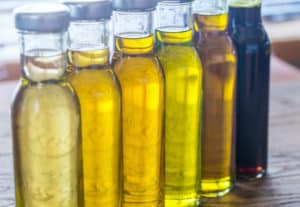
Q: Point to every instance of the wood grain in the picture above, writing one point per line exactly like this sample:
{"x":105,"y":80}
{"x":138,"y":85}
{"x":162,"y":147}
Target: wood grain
{"x":280,"y":188}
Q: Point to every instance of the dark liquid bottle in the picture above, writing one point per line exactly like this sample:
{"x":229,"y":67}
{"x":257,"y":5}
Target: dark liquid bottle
{"x":253,"y":51}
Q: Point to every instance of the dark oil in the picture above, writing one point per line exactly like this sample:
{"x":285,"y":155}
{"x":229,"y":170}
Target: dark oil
{"x":253,"y":51}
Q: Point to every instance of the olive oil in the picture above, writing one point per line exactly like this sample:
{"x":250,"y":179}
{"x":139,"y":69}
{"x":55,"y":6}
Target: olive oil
{"x":46,"y":135}
{"x":142,"y":84}
{"x":100,"y":101}
{"x":182,"y":68}
{"x":45,"y":114}
{"x":253,"y":51}
{"x":219,"y":80}
{"x":183,"y":73}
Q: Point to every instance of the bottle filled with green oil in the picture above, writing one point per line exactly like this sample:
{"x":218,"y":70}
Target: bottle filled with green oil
{"x":253,"y":52}
{"x":100,"y":99}
{"x":142,"y":83}
{"x":45,"y":113}
{"x":219,"y":85}
{"x":183,"y":73}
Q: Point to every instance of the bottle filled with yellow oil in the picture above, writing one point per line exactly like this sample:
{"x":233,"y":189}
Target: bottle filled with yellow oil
{"x":219,"y":85}
{"x":45,"y":113}
{"x":142,"y":84}
{"x":183,"y":73}
{"x":100,"y":100}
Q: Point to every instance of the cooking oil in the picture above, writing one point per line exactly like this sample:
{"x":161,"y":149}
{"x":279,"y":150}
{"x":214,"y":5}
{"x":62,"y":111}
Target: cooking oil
{"x":219,"y":82}
{"x":183,"y":73}
{"x":100,"y":100}
{"x":142,"y":84}
{"x":45,"y":114}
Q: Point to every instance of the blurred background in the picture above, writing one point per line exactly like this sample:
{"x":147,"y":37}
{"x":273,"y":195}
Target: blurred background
{"x":281,"y":18}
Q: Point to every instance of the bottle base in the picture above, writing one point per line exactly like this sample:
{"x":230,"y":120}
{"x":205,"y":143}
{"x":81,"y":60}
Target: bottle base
{"x":251,"y":174}
{"x":216,"y":188}
{"x":193,"y":202}
{"x":142,"y":204}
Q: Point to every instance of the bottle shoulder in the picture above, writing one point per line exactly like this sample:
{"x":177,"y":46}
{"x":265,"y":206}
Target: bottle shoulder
{"x":138,"y":67}
{"x":89,"y":81}
{"x":45,"y":94}
{"x":250,"y":35}
{"x":179,"y":57}
{"x":220,"y":44}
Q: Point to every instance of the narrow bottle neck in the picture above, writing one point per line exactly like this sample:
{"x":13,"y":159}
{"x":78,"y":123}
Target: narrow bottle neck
{"x":210,"y":15}
{"x":133,"y":32}
{"x":174,"y":22}
{"x":88,"y":43}
{"x":245,"y":15}
{"x":43,"y":56}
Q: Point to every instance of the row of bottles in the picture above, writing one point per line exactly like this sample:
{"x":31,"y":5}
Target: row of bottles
{"x":154,"y":125}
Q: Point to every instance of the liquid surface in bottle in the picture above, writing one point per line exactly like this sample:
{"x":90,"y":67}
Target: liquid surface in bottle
{"x":183,"y":73}
{"x":100,"y":100}
{"x":142,"y":85}
{"x":47,"y":144}
{"x":219,"y":79}
{"x":253,"y":50}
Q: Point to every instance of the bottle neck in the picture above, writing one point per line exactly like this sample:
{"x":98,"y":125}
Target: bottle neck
{"x":43,"y":56}
{"x":88,"y":43}
{"x":174,"y":22}
{"x":210,"y":15}
{"x":133,"y":32}
{"x":247,"y":14}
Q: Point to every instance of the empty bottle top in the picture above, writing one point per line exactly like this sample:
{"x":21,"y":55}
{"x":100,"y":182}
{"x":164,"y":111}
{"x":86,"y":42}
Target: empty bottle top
{"x":134,"y":5}
{"x":89,"y":9}
{"x":42,"y":17}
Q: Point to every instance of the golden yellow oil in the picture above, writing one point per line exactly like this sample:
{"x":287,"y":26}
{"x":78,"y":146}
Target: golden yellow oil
{"x":47,"y":145}
{"x":219,"y":82}
{"x":100,"y":100}
{"x":183,"y":73}
{"x":142,"y":84}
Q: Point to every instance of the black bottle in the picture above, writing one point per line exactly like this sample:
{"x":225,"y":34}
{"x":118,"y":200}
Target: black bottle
{"x":253,"y":52}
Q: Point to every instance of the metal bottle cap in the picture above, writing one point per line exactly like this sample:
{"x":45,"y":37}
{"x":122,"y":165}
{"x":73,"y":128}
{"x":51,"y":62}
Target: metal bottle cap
{"x":134,"y":5}
{"x":90,"y":9}
{"x":42,"y":17}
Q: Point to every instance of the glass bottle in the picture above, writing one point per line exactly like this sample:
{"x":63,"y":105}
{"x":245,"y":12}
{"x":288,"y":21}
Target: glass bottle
{"x":183,"y":72}
{"x":142,"y":84}
{"x":253,"y":52}
{"x":219,"y":82}
{"x":100,"y":100}
{"x":45,"y":113}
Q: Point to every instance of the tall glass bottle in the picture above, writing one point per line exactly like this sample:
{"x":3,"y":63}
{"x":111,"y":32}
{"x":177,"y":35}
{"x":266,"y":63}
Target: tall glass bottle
{"x":219,"y":82}
{"x":253,"y":51}
{"x":100,"y":99}
{"x":142,"y":84}
{"x":183,"y":73}
{"x":45,"y":113}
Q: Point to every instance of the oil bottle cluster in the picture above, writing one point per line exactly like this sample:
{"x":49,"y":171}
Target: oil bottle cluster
{"x":172,"y":113}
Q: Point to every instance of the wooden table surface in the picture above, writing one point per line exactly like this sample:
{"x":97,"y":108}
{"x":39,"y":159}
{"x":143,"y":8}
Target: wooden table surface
{"x":280,"y":188}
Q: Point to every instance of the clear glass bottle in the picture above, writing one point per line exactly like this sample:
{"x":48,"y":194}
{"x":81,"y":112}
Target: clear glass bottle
{"x":253,"y":52}
{"x":183,"y":72}
{"x":45,"y":113}
{"x":142,"y":84}
{"x":219,"y":82}
{"x":100,"y":100}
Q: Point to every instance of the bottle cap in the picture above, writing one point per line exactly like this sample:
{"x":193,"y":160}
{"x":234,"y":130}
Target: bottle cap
{"x":90,"y":9}
{"x":42,"y":17}
{"x":134,"y":5}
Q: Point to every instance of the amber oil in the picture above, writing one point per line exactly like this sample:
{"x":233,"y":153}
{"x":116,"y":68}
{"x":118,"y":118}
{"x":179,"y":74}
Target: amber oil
{"x":219,"y":62}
